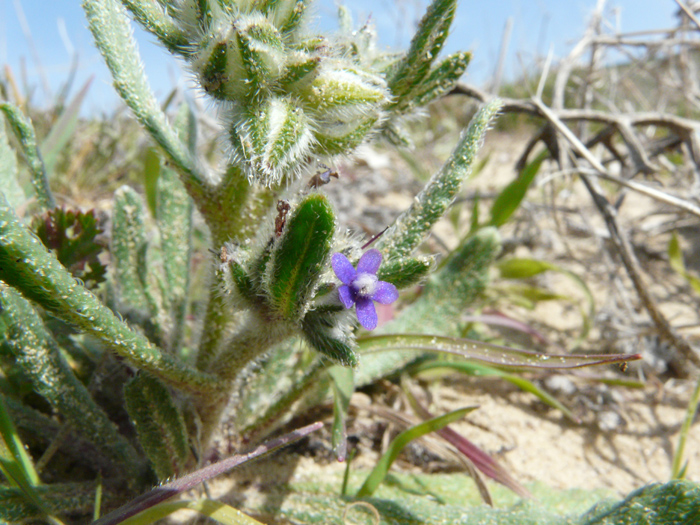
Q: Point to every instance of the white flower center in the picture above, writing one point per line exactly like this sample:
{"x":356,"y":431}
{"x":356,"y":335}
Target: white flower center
{"x":365,"y":284}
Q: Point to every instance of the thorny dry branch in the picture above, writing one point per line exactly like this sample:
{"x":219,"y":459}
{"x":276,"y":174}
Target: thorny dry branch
{"x":672,"y":55}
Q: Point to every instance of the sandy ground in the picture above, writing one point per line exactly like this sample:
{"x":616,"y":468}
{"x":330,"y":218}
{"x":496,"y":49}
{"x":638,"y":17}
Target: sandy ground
{"x":626,"y":437}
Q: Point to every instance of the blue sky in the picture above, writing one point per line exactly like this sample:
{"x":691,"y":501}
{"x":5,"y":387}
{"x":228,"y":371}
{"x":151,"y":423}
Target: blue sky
{"x":58,"y":27}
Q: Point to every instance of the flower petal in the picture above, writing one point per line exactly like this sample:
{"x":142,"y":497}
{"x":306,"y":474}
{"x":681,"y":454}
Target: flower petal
{"x":366,"y":313}
{"x":342,"y":268}
{"x":369,"y":262}
{"x":385,"y":293}
{"x":345,"y":295}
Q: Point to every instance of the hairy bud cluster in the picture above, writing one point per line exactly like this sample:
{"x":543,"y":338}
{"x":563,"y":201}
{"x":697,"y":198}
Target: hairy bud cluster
{"x":287,"y":96}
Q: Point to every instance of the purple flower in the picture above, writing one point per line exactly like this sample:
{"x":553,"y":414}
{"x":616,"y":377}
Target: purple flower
{"x":361,"y":287}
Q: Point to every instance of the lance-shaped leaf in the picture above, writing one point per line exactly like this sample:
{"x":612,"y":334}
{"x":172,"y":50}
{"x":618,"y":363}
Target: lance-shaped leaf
{"x":174,"y":218}
{"x":153,"y":17}
{"x":411,"y":227}
{"x":24,"y":131}
{"x":262,"y":52}
{"x":299,"y":257}
{"x":286,"y":15}
{"x":159,"y":424}
{"x":110,"y":26}
{"x":300,"y":67}
{"x":381,"y":469}
{"x":440,"y":81}
{"x":343,"y":387}
{"x":405,"y":271}
{"x":37,"y":353}
{"x":328,"y":331}
{"x":425,"y":47}
{"x":129,"y":251}
{"x":29,"y":267}
{"x":8,"y":171}
{"x":270,"y":141}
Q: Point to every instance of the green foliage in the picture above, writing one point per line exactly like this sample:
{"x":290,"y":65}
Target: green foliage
{"x":159,"y":424}
{"x":85,"y":349}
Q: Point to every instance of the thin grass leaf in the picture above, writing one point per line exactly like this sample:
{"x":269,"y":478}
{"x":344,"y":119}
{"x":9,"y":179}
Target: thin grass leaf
{"x":188,"y":482}
{"x":502,"y":356}
{"x":499,"y":319}
{"x":343,"y":387}
{"x":679,"y":468}
{"x":381,"y":469}
{"x":675,"y":257}
{"x":508,"y":201}
{"x":212,"y":509}
{"x":24,"y":131}
{"x":63,"y":129}
{"x":526,"y":268}
{"x":481,"y":460}
{"x":17,"y":466}
{"x":151,"y":172}
{"x":477,"y":369}
{"x":13,"y":450}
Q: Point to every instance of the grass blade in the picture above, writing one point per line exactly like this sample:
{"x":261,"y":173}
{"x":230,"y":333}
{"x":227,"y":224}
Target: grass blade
{"x":486,"y":352}
{"x":381,"y":469}
{"x":188,"y":482}
{"x":343,"y":387}
{"x":212,"y":509}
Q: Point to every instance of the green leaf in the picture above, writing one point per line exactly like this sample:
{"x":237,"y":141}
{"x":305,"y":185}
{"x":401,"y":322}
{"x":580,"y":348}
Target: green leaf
{"x":9,"y":181}
{"x":501,"y":356}
{"x":411,"y":227}
{"x":24,"y":131}
{"x":174,"y":219}
{"x":71,"y":235}
{"x":153,"y":18}
{"x":39,"y":356}
{"x":159,"y":424}
{"x":675,"y":257}
{"x":110,"y":26}
{"x":151,"y":172}
{"x":129,"y":249}
{"x":343,"y":387}
{"x":425,"y":47}
{"x":28,"y":266}
{"x":215,"y":510}
{"x":525,"y":268}
{"x":381,"y":469}
{"x":299,"y":257}
{"x":328,"y":333}
{"x":406,"y":271}
{"x":512,"y":195}
{"x":441,"y":80}
{"x":477,"y":369}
